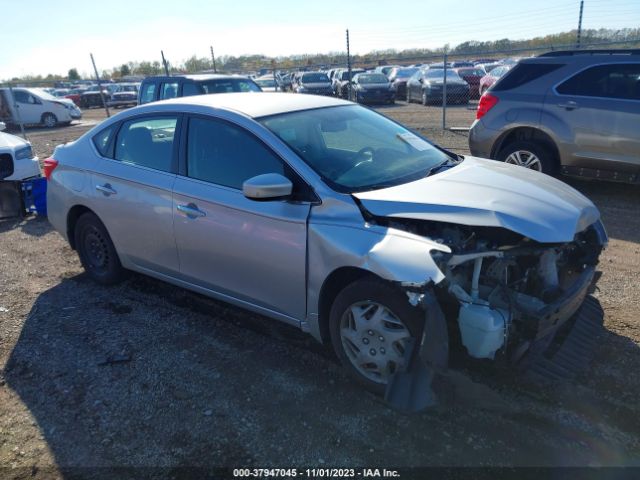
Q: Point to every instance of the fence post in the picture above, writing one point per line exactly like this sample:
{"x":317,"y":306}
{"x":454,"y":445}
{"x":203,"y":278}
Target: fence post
{"x":104,"y":102}
{"x":348,"y":68}
{"x":16,"y":111}
{"x":444,"y":91}
{"x":275,"y":79}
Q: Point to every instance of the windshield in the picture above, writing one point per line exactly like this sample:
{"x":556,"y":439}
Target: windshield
{"x":476,"y":72}
{"x":372,"y":78}
{"x":228,"y":85}
{"x":345,"y":74}
{"x":355,"y":149}
{"x":405,"y":72}
{"x":315,"y":78}
{"x":266,"y":82}
{"x":439,"y":73}
{"x":38,"y":92}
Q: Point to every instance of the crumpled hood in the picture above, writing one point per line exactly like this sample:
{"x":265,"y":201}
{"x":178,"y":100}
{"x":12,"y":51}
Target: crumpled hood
{"x":488,"y":193}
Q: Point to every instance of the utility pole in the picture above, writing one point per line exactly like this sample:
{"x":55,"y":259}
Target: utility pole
{"x":165,"y":63}
{"x":213,"y":59}
{"x":104,"y":102}
{"x":348,"y":67}
{"x":579,"y":24}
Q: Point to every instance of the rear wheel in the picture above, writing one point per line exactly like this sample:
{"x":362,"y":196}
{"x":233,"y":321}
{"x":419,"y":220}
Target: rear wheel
{"x":530,"y":155}
{"x":96,"y":250}
{"x":371,"y":322}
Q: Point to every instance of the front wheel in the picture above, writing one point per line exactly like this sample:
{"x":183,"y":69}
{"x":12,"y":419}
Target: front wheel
{"x":96,"y":250}
{"x":371,"y":322}
{"x":529,"y":155}
{"x":49,"y":120}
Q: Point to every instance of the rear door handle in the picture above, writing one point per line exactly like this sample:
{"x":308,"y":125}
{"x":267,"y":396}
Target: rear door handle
{"x":191,"y":210}
{"x":106,"y":189}
{"x":569,"y":105}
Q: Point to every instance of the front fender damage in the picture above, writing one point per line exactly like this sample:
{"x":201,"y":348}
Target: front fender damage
{"x":407,"y":260}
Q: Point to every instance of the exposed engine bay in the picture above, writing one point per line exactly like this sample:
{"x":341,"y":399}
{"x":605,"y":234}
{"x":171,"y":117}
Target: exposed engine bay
{"x":506,"y":291}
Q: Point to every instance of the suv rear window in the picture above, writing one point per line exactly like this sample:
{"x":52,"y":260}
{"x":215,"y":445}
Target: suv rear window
{"x":524,"y":73}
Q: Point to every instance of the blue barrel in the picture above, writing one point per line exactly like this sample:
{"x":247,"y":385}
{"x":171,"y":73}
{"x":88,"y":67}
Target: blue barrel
{"x":40,"y":195}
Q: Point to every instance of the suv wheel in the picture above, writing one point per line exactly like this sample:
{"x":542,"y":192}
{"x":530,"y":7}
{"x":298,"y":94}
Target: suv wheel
{"x":96,"y":250}
{"x":370,"y":324}
{"x":529,"y":155}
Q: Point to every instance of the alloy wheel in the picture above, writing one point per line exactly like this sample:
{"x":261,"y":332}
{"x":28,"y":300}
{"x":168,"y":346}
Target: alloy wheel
{"x":524,"y":158}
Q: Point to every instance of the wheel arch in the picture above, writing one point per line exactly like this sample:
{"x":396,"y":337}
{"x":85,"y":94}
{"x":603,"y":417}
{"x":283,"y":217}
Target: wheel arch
{"x":331,"y":287}
{"x":73,"y":215}
{"x":526,"y":134}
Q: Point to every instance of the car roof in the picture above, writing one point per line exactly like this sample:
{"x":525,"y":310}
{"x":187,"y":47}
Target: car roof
{"x":255,"y":104}
{"x":198,"y":76}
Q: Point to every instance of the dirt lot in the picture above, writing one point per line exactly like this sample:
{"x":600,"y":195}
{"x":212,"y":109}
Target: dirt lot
{"x":145,"y":374}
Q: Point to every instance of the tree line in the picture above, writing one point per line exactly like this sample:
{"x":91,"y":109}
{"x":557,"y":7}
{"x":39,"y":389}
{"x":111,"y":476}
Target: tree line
{"x":628,"y":38}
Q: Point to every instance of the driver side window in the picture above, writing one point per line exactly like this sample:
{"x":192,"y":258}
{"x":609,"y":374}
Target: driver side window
{"x":227,"y":155}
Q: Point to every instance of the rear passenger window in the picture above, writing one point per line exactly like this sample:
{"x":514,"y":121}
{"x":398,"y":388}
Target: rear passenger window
{"x":102,"y":140}
{"x":224,"y":154}
{"x":609,"y":81}
{"x":169,"y":90}
{"x":147,"y":142}
{"x":189,"y":89}
{"x":524,"y":73}
{"x":148,"y":93}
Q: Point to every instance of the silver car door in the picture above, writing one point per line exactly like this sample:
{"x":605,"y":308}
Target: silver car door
{"x":601,"y":105}
{"x":254,"y":251}
{"x":133,"y":192}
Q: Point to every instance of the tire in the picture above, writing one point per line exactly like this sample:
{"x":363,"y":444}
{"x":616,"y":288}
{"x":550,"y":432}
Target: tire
{"x":369,"y":296}
{"x":520,"y":153}
{"x":49,"y":120}
{"x":96,"y":251}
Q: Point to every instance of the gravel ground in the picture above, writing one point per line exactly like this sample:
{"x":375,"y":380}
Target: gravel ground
{"x":146,"y":374}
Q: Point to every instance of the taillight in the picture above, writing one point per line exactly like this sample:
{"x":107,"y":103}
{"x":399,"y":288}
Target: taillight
{"x":49,"y":166}
{"x":486,"y":103}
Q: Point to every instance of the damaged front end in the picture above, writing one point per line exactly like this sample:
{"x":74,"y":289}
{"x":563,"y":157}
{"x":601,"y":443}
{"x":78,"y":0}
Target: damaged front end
{"x":508,"y":294}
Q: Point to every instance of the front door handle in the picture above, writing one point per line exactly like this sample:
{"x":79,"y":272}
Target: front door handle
{"x":191,"y":210}
{"x":106,"y":189}
{"x":569,"y":105}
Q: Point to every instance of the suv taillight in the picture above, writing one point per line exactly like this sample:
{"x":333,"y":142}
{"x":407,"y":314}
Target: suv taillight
{"x":49,"y":166}
{"x":487,"y":102}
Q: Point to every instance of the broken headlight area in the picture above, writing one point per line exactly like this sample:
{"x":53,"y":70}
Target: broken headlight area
{"x":506,"y":293}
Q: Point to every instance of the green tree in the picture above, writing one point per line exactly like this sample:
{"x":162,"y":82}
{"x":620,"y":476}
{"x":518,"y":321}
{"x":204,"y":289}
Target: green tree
{"x":124,"y":70}
{"x":73,"y":74}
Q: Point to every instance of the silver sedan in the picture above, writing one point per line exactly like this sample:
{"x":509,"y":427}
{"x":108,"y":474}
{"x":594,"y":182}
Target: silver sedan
{"x":329,"y":216}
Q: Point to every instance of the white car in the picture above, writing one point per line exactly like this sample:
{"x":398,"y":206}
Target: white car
{"x":19,"y":152}
{"x":33,"y":106}
{"x":267,"y":83}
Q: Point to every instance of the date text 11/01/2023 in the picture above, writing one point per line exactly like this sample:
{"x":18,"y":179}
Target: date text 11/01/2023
{"x":315,"y":473}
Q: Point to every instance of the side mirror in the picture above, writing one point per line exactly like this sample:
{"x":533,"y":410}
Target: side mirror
{"x":267,"y":186}
{"x":3,"y":126}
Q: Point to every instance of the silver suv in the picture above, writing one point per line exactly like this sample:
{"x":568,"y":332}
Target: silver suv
{"x":571,"y":112}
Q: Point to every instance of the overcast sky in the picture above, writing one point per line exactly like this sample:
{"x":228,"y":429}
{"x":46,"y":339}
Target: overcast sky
{"x":45,"y":36}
